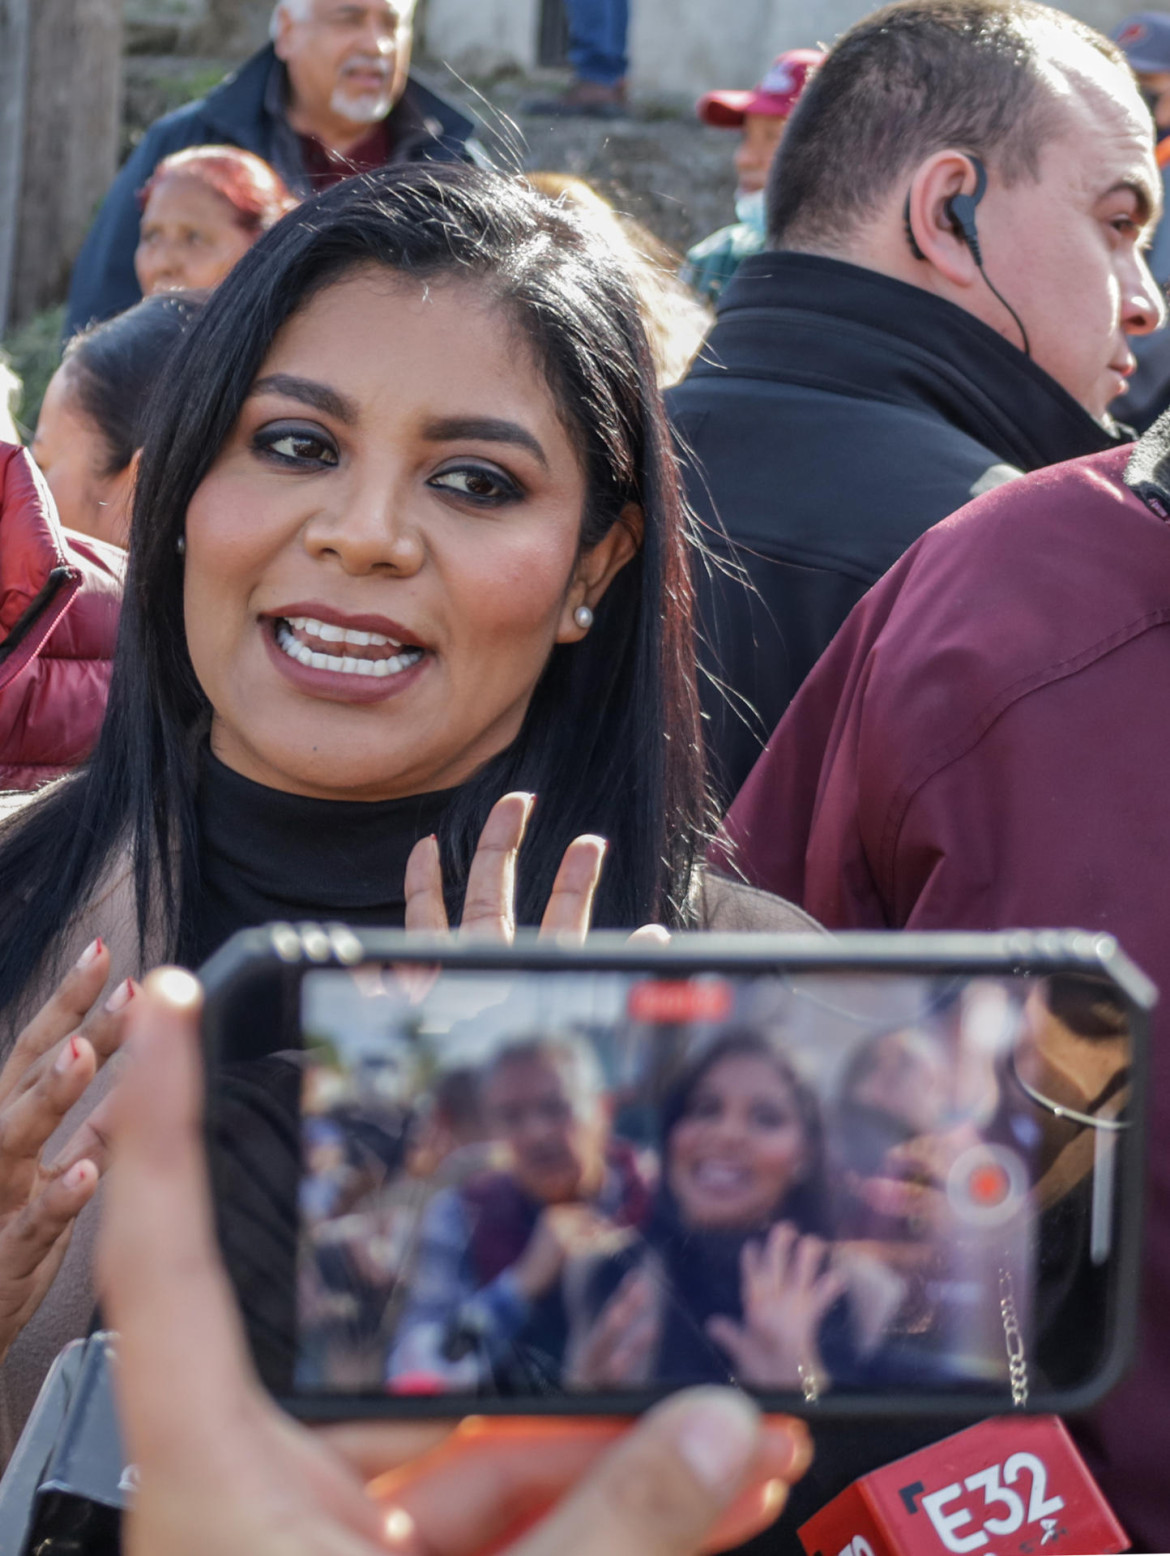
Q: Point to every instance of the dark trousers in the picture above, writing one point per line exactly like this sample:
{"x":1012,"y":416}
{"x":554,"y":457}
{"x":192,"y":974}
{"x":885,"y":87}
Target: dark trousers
{"x":597,"y":39}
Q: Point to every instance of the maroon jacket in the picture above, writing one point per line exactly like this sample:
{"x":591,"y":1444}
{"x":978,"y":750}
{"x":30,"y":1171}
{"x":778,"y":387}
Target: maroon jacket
{"x":986,"y":744}
{"x":59,"y":598}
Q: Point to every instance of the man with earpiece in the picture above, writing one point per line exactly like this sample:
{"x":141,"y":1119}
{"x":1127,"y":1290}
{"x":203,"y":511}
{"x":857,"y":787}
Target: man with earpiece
{"x":955,"y":220}
{"x":984,"y":745}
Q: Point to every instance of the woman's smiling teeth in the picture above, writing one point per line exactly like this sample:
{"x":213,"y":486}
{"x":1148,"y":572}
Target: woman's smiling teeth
{"x":720,"y":1177}
{"x":298,"y":636}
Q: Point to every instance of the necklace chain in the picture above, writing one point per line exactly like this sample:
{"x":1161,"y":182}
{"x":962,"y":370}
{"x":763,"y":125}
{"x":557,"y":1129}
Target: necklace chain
{"x":1013,"y":1339}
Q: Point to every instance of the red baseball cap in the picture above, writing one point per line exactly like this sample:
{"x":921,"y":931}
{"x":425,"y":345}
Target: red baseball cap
{"x":775,"y":96}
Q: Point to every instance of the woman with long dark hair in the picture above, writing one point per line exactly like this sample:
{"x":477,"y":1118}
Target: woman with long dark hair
{"x":407,"y":538}
{"x":731,"y":1279}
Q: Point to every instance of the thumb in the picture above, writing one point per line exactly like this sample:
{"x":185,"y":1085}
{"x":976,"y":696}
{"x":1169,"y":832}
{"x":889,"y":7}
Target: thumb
{"x":162,"y":1284}
{"x":662,"y":1489}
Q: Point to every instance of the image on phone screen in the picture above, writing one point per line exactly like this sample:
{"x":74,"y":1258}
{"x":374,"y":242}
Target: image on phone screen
{"x":558,"y":1182}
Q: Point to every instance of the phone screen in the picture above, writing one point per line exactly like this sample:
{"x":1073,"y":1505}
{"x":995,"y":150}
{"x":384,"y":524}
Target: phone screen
{"x":536,"y":1184}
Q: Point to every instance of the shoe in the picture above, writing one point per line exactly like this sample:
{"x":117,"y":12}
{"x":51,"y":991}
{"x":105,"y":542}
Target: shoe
{"x":583,"y":100}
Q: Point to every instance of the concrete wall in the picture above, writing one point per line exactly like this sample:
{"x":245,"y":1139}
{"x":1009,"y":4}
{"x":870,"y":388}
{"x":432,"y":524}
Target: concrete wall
{"x":687,"y":47}
{"x":678,"y":48}
{"x":476,"y":37}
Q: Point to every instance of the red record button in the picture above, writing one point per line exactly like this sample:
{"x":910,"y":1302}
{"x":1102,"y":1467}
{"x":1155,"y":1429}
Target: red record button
{"x":679,"y":1001}
{"x":989,"y":1185}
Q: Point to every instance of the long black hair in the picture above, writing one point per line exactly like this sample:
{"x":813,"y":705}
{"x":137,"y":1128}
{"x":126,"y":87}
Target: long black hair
{"x":611,"y":741}
{"x":114,"y":368}
{"x":806,"y":1203}
{"x":702,"y":1266}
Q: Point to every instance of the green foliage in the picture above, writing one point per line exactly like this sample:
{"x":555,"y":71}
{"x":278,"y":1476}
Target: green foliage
{"x":34,"y":350}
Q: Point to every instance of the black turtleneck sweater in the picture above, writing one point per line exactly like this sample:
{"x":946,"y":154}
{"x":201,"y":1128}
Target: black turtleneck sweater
{"x":266,"y":855}
{"x":836,"y":414}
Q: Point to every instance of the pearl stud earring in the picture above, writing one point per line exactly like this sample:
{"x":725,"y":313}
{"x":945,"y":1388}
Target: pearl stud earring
{"x":181,"y":545}
{"x":583,"y":616}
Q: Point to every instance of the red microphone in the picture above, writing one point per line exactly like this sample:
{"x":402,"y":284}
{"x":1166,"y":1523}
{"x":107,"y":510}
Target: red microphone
{"x":1013,"y":1486}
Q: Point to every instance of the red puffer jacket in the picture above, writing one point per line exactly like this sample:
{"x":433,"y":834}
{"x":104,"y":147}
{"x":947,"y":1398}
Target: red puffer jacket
{"x":59,"y":599}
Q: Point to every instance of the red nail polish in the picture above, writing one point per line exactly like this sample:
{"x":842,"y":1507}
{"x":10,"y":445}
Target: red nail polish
{"x":66,"y":1059}
{"x":121,"y":997}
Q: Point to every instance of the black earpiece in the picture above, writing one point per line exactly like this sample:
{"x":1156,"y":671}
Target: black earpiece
{"x":961,"y":210}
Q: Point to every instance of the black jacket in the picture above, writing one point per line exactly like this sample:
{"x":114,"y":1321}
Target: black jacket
{"x":834,"y":415}
{"x":247,"y":110}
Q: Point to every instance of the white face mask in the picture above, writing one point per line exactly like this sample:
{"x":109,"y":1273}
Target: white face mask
{"x":750,"y":209}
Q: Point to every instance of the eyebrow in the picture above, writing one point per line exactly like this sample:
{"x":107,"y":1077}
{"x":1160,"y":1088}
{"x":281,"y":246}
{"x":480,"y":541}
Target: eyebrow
{"x":310,"y":392}
{"x":1147,"y":202}
{"x":484,"y":429}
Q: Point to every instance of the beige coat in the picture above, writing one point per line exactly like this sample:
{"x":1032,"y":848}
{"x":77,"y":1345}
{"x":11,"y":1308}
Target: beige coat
{"x":68,"y":1308}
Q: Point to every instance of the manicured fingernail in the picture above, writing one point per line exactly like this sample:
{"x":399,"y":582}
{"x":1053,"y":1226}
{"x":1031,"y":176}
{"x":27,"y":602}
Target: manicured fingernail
{"x":121,"y":997}
{"x":90,"y":955}
{"x":76,"y":1175}
{"x":718,"y":1437}
{"x":67,"y":1058}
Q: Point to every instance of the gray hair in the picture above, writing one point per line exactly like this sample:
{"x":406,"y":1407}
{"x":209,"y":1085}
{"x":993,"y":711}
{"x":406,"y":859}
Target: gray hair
{"x":571,"y":1056}
{"x":298,"y":10}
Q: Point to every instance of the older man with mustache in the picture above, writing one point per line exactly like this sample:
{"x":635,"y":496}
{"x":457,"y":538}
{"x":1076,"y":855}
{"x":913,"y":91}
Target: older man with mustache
{"x":330,"y":95}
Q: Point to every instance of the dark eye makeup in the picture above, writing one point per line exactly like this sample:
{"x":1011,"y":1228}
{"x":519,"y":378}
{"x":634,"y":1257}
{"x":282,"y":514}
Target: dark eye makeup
{"x":705,"y":1105}
{"x":295,"y":445}
{"x":763,"y":1115}
{"x":298,"y":445}
{"x":486,"y":486}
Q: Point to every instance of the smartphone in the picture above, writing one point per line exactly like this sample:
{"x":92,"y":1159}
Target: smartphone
{"x":878,"y":1174}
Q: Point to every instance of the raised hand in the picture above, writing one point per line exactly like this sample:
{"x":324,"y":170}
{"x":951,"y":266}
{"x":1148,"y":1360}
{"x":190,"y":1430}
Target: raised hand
{"x":787,"y":1288}
{"x":562,"y":1231}
{"x":911,"y":1183}
{"x":489,"y":905}
{"x":619,"y":1349}
{"x":52,"y":1062}
{"x":221,"y":1469}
